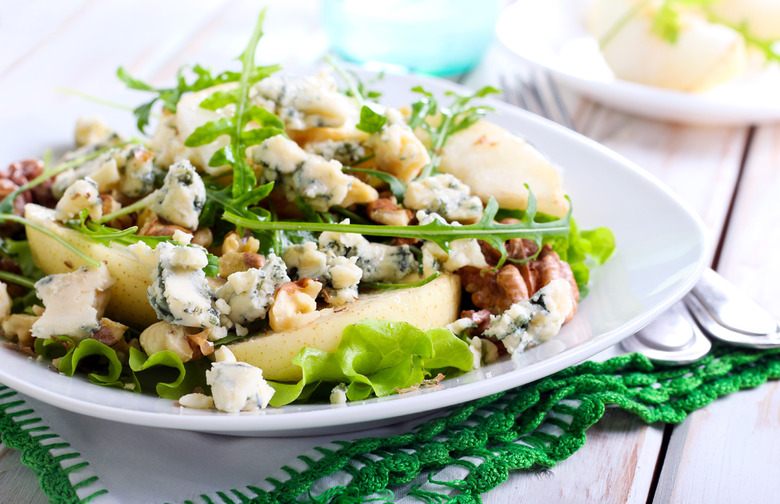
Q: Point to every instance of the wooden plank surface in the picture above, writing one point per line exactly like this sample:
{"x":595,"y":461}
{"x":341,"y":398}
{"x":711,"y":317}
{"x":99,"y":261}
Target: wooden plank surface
{"x":727,"y":452}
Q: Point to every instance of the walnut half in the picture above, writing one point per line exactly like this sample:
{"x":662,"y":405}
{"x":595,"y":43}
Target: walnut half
{"x":497,"y":290}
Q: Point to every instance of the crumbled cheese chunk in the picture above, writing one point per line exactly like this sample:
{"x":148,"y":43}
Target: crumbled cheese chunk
{"x":305,"y":102}
{"x":136,"y":173}
{"x":180,"y":293}
{"x":238,"y":386}
{"x":338,"y":395}
{"x":197,"y":401}
{"x":5,"y":302}
{"x":397,"y":149}
{"x":319,"y":182}
{"x":379,"y":262}
{"x":90,"y":130}
{"x":182,"y":196}
{"x":533,"y":321}
{"x":445,"y":195}
{"x":78,"y":196}
{"x":249,"y":294}
{"x":346,"y":152}
{"x":340,"y":276}
{"x":74,"y":302}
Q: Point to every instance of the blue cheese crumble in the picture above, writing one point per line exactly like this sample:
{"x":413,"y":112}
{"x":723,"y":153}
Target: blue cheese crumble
{"x":182,"y":196}
{"x":533,"y":321}
{"x":445,"y":195}
{"x":81,"y":194}
{"x":319,"y":182}
{"x":249,"y":294}
{"x":340,"y":276}
{"x":379,"y":262}
{"x":180,"y":293}
{"x":74,"y":302}
{"x":235,"y":386}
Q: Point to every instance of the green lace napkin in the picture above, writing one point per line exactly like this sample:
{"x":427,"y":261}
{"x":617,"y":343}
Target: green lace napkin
{"x":454,"y":457}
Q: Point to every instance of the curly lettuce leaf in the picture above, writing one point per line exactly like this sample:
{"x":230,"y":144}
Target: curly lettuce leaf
{"x":377,"y":357}
{"x":171,"y":377}
{"x":100,"y":360}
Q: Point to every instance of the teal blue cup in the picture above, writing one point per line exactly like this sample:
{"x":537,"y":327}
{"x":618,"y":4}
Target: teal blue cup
{"x":437,"y":37}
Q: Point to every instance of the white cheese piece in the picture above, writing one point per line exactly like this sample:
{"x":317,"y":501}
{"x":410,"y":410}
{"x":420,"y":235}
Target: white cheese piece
{"x":445,"y":195}
{"x":319,"y":182}
{"x":346,"y":152}
{"x":466,"y":252}
{"x":249,"y":294}
{"x":5,"y":302}
{"x":340,"y":276}
{"x":180,"y":293}
{"x":196,"y":401}
{"x":396,"y":148}
{"x":238,"y":386}
{"x":533,"y":321}
{"x":338,"y":395}
{"x":136,"y":173}
{"x":306,"y":102}
{"x":78,"y":196}
{"x":182,"y":196}
{"x":379,"y":262}
{"x":90,"y":130}
{"x":74,"y":302}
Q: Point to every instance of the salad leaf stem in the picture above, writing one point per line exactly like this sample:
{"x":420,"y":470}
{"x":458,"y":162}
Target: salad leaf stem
{"x":96,"y":99}
{"x":441,"y":233}
{"x":17,"y":279}
{"x":53,"y":236}
{"x":134,"y":207}
{"x":391,"y":286}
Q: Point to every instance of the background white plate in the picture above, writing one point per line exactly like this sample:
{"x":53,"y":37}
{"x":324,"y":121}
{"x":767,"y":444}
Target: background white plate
{"x":552,"y":35}
{"x":661,"y":253}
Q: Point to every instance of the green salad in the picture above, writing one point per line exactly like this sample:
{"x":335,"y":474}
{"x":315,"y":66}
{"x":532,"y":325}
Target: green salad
{"x":274,"y":238}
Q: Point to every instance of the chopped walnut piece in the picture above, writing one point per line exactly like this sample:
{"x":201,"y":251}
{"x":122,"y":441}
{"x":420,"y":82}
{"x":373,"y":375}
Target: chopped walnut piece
{"x":498,"y":290}
{"x":110,"y":205}
{"x":233,"y":262}
{"x":232,"y":243}
{"x":109,"y":332}
{"x":479,"y":317}
{"x":295,"y":305}
{"x":385,"y":211}
{"x":152,"y":225}
{"x":18,"y":327}
{"x":18,"y":174}
{"x":200,"y":344}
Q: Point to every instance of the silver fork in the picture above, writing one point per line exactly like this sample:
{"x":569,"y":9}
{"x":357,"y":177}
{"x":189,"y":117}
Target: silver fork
{"x":713,"y":309}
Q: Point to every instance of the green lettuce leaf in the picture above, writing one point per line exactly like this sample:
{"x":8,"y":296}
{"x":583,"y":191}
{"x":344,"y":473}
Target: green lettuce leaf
{"x":376,"y":357}
{"x":100,"y":360}
{"x":167,"y":372}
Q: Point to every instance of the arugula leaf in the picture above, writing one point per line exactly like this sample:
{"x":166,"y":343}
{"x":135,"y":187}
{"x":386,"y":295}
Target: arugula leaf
{"x":449,"y":120}
{"x":169,"y":97}
{"x":397,"y":187}
{"x":441,"y":233}
{"x":105,"y":235}
{"x":370,"y":121}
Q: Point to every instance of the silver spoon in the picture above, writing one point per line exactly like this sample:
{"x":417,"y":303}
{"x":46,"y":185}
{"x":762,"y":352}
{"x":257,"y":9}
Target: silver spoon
{"x":714,"y":308}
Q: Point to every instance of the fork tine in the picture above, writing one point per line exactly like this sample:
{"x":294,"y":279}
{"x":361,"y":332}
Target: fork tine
{"x":565,"y":116}
{"x":538,"y":93}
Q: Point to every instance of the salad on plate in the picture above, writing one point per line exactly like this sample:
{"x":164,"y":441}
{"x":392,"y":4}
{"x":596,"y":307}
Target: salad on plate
{"x":282,"y":238}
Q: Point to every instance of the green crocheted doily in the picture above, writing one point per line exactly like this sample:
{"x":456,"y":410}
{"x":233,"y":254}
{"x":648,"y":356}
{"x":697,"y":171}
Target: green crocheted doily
{"x":527,"y":428}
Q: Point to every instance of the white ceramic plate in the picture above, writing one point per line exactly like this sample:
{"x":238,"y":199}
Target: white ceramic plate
{"x":552,"y":35}
{"x":661,"y":253}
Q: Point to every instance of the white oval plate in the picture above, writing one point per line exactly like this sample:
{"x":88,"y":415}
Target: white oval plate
{"x":552,"y":35}
{"x":661,"y":253}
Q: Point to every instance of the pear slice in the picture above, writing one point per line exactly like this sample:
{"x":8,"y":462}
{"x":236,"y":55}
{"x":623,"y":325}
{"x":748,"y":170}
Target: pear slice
{"x":494,"y":162}
{"x":128,"y":302}
{"x":435,"y":304}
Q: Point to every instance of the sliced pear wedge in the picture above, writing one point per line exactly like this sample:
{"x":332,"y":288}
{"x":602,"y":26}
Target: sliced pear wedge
{"x":435,"y":304}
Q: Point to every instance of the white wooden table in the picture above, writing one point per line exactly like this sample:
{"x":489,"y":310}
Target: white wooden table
{"x":726,"y":452}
